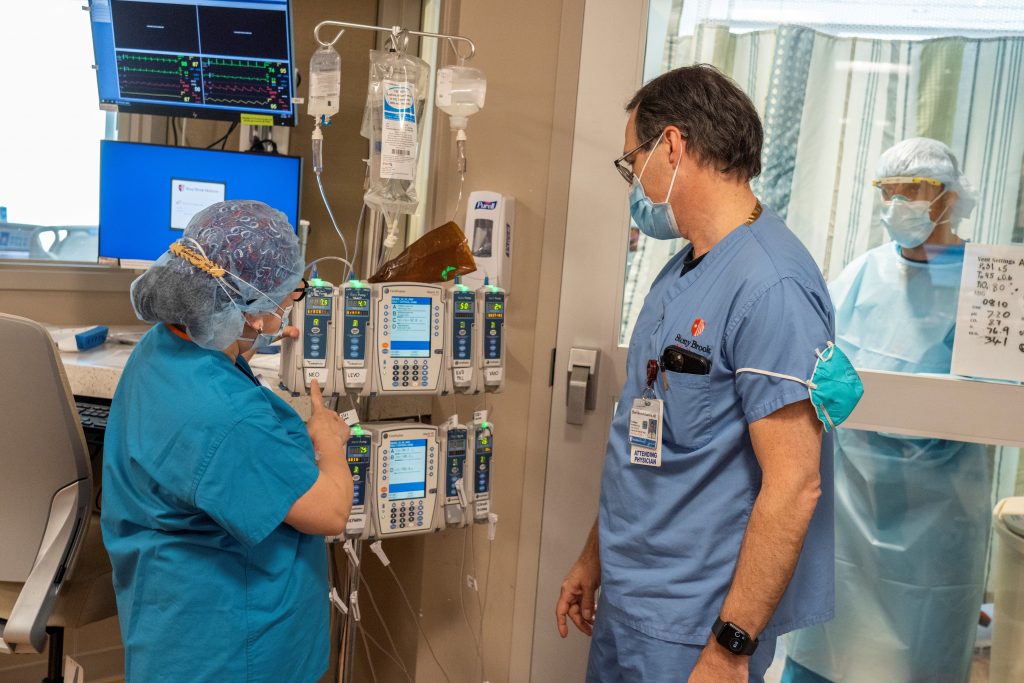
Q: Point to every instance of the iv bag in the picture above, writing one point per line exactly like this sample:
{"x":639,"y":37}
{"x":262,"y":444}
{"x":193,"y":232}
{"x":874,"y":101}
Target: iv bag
{"x":441,"y":255}
{"x":460,"y":93}
{"x":391,"y":121}
{"x":324,"y":83}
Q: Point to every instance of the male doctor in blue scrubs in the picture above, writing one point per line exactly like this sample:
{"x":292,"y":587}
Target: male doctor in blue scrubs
{"x":718,"y":538}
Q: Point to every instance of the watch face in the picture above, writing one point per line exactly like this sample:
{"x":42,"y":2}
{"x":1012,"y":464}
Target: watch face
{"x":736,"y":644}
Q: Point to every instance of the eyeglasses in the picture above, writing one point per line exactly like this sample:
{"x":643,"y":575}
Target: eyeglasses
{"x":625,"y":168}
{"x":301,"y":291}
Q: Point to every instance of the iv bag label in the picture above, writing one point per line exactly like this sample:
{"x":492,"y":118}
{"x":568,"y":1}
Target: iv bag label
{"x":327,"y":85}
{"x":398,"y":133}
{"x":445,"y":78}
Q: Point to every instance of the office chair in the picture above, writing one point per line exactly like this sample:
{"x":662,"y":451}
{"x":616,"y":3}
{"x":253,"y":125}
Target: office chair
{"x":46,"y":515}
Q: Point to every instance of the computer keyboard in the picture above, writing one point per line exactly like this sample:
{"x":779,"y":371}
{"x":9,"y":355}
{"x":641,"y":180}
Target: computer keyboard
{"x":92,"y":413}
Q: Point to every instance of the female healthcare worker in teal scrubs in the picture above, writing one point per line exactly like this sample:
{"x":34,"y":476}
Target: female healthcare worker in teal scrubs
{"x":214,"y":501}
{"x":912,"y":515}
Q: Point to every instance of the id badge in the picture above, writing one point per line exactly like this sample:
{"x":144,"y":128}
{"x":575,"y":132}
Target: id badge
{"x":645,"y":432}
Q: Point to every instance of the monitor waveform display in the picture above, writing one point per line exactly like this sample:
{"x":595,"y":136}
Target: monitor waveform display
{"x":247,"y":83}
{"x":172,"y":78}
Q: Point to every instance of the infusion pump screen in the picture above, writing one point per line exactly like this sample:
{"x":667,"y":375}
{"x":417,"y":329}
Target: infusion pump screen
{"x":408,"y":469}
{"x":410,"y":327}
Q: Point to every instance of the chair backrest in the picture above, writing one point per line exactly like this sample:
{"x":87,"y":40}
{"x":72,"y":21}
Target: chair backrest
{"x":45,"y":477}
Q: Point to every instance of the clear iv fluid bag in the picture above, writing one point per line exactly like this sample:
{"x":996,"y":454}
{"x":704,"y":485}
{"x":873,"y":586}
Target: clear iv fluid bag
{"x":392,"y":119}
{"x":324,"y":83}
{"x":461,"y":91}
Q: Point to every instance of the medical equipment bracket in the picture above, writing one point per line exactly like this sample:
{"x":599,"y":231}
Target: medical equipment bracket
{"x":397,"y":34}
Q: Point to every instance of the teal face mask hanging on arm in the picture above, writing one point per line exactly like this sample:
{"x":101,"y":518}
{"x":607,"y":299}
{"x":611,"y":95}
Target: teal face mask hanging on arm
{"x":834,"y":388}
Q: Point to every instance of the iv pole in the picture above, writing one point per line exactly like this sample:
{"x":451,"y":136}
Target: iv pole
{"x":399,"y":38}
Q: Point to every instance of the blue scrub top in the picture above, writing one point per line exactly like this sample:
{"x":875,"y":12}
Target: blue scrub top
{"x":670,"y":536}
{"x":201,"y":465}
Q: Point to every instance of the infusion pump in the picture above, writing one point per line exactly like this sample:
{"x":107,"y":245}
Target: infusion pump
{"x":397,"y":339}
{"x":405,"y":465}
{"x":410,"y":478}
{"x":311,"y":355}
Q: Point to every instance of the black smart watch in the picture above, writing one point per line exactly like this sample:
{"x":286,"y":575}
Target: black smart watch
{"x":733,"y":638}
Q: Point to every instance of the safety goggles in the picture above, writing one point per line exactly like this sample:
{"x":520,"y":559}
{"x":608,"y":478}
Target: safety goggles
{"x":893,"y":185}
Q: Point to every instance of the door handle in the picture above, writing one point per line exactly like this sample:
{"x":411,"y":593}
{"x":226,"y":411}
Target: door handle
{"x":582,"y":384}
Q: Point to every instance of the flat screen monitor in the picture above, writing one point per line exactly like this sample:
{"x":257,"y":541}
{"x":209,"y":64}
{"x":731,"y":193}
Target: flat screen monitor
{"x":148,"y":193}
{"x":213,"y":59}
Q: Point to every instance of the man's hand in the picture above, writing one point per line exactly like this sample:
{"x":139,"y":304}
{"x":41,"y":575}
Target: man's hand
{"x":578,"y":589}
{"x":327,"y":430}
{"x":716,"y":665}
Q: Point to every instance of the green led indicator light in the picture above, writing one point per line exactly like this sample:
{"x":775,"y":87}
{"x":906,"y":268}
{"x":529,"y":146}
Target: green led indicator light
{"x":485,"y":425}
{"x":317,"y":282}
{"x":357,"y":430}
{"x":356,"y":283}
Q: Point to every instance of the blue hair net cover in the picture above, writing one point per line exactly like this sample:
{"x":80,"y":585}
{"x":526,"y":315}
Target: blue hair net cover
{"x":924,"y":157}
{"x":256,"y":246}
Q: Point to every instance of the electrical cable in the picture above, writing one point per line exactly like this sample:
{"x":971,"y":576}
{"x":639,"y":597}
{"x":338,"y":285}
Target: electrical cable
{"x":223,"y":139}
{"x":419,"y":626}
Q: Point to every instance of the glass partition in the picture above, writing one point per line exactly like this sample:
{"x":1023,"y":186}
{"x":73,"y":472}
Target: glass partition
{"x":841,"y":87}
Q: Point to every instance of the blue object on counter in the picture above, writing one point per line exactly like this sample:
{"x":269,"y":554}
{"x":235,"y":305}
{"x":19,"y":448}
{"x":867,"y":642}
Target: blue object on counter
{"x":270,"y":350}
{"x":91,"y":338}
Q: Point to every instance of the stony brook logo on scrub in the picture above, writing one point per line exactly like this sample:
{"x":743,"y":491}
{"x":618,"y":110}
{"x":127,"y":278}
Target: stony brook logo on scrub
{"x":698,"y":327}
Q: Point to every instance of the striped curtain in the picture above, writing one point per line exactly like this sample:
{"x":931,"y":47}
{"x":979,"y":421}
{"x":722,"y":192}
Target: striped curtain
{"x":832,"y":105}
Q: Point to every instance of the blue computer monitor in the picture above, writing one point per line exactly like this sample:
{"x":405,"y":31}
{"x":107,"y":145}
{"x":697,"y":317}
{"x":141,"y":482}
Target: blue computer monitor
{"x":212,"y":59}
{"x":148,"y":193}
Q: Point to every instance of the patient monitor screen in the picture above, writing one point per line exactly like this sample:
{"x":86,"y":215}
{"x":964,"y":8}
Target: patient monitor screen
{"x":408,"y":469}
{"x":410,"y":327}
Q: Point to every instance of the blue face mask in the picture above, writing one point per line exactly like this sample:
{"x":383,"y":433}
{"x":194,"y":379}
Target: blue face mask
{"x":654,"y":219}
{"x":834,"y":387}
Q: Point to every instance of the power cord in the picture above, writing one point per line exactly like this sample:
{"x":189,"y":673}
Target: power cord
{"x":223,"y":139}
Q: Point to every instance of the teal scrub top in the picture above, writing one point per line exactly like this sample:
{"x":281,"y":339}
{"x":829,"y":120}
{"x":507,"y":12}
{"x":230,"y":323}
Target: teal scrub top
{"x":670,"y":535}
{"x":201,"y":465}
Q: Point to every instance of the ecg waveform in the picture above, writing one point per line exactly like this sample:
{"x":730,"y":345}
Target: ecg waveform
{"x":247,"y":83}
{"x":191,"y":79}
{"x":174,"y":78}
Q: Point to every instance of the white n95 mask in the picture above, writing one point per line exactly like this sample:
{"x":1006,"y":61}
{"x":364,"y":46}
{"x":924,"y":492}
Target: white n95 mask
{"x":909,"y":222}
